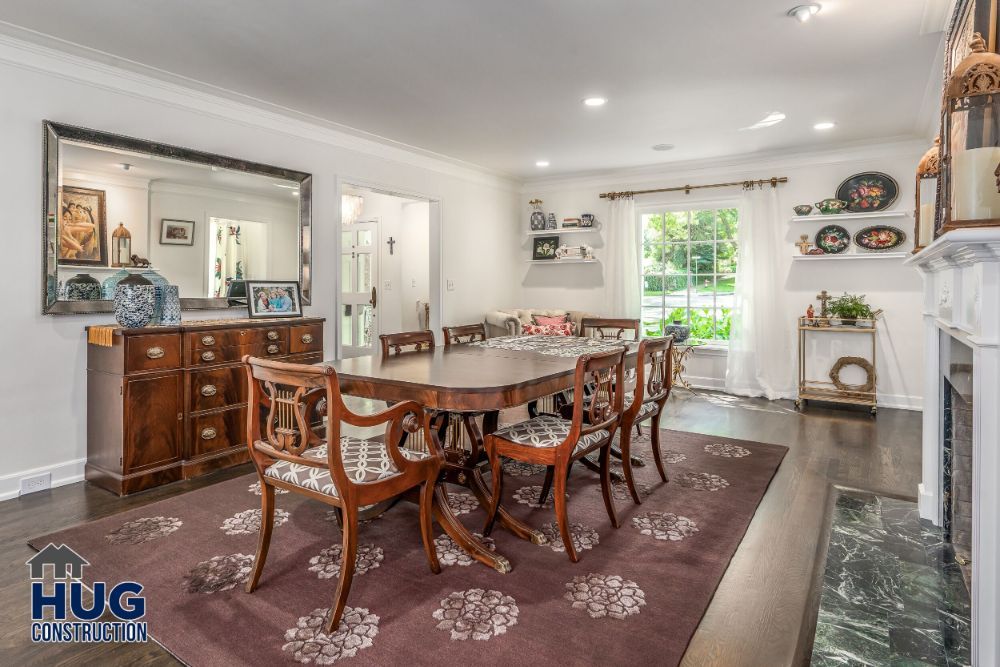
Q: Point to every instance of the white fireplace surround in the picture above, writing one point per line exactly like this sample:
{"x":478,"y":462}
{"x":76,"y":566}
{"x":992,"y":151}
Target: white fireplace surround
{"x":961,"y":272}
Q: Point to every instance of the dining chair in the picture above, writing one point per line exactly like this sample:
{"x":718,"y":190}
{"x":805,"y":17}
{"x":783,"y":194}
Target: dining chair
{"x":609,"y":328}
{"x":553,"y":441}
{"x":420,"y":341}
{"x":291,"y":451}
{"x":471,"y":333}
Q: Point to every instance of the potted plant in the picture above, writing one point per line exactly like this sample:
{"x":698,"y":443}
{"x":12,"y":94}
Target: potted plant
{"x":851,"y":308}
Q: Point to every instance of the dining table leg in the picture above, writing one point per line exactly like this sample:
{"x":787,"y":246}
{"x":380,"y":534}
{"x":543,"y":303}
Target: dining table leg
{"x":463,"y":537}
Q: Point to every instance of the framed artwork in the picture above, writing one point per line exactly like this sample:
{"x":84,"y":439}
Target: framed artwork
{"x":83,"y":233}
{"x":544,"y":247}
{"x":176,"y":232}
{"x":273,"y":298}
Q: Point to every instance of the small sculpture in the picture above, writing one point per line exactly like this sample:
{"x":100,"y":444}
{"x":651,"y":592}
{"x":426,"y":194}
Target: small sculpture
{"x":140,"y":262}
{"x":804,"y":244}
{"x":810,"y":315}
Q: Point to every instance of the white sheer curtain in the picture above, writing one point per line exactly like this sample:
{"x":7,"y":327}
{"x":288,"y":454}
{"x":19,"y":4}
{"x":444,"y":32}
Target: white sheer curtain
{"x":761,"y":345}
{"x":621,"y":263}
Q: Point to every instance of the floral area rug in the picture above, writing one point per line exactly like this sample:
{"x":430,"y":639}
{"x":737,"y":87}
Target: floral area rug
{"x":635,"y":597}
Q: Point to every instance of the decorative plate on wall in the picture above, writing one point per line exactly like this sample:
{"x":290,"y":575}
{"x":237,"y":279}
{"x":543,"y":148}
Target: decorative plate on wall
{"x":868,"y":192}
{"x":833,"y":239}
{"x":880,"y":238}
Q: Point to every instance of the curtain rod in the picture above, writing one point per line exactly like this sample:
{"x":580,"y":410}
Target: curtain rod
{"x":686,"y":189}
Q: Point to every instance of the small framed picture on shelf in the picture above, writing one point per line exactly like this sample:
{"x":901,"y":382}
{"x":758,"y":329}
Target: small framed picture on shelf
{"x":544,"y":247}
{"x":273,"y":298}
{"x":176,"y":232}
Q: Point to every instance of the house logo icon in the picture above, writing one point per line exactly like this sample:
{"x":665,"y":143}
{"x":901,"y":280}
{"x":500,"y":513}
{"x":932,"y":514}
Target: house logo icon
{"x":65,"y":563}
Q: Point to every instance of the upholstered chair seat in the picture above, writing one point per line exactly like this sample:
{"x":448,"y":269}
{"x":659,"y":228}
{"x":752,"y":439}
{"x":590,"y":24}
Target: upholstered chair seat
{"x":547,"y":431}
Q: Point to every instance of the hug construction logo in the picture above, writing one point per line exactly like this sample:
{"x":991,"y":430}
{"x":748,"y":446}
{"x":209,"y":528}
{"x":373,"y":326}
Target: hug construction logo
{"x":71,"y":618}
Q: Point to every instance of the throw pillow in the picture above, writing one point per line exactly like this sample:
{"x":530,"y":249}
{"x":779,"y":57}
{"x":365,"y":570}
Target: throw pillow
{"x":564,"y":329}
{"x":549,"y":320}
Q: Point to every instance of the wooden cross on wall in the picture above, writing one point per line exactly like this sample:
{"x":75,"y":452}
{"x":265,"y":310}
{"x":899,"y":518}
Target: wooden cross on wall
{"x":823,"y":297}
{"x":804,"y":244}
{"x":391,"y":243}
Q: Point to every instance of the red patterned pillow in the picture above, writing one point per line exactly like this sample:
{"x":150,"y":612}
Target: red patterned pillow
{"x":564,"y":329}
{"x":549,"y":320}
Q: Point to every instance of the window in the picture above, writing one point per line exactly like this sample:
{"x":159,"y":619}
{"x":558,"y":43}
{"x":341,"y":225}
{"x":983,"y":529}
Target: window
{"x":689,"y":271}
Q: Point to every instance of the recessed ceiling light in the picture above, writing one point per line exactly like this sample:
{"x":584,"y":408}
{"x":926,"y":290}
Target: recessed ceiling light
{"x":826,"y":125}
{"x":542,"y":163}
{"x":595,"y":101}
{"x":803,"y":13}
{"x":125,"y":166}
{"x":663,"y":147}
{"x":773,"y":118}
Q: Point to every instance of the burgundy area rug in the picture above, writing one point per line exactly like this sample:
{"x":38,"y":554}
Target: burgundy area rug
{"x":635,"y":597}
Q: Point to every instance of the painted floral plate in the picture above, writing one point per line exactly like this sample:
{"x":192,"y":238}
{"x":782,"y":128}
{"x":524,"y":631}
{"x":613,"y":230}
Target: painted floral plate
{"x":879,"y":238}
{"x":868,"y":192}
{"x":833,"y":239}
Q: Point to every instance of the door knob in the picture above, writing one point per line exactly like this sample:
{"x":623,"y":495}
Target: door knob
{"x":374,"y":299}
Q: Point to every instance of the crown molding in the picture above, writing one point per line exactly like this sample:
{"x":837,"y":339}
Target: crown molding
{"x":34,"y":51}
{"x":104,"y":178}
{"x":166,"y":186}
{"x":749,"y":165}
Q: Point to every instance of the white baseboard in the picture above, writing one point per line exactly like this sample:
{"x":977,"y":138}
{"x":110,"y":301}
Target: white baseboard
{"x":901,"y":401}
{"x":704,"y":382}
{"x":67,"y":472}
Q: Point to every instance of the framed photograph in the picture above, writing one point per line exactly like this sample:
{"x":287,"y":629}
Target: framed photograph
{"x":544,"y":247}
{"x":273,"y":298}
{"x":176,"y":232}
{"x":83,"y":233}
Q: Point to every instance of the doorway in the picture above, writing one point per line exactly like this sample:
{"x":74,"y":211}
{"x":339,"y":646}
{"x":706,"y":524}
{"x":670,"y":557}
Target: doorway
{"x":387,"y":281}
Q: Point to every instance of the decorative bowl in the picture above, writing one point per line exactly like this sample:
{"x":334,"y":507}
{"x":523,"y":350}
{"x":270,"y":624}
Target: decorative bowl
{"x":802,"y":209}
{"x":830,"y":206}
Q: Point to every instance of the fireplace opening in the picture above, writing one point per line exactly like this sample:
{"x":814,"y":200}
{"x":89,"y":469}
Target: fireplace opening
{"x":957,"y":450}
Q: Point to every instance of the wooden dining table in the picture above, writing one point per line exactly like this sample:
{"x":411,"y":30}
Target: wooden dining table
{"x":473,"y":379}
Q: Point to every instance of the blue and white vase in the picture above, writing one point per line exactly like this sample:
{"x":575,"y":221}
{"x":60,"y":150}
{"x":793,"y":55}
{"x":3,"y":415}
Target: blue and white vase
{"x":134,"y":299}
{"x":679,"y":331}
{"x":83,"y":287}
{"x":111,"y":282}
{"x":158,"y":282}
{"x":171,"y":305}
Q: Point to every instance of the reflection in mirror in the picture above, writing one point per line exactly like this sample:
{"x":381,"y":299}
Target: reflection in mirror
{"x":184,"y":218}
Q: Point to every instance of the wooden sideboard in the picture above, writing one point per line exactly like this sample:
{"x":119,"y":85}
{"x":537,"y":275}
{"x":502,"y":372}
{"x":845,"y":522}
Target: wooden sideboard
{"x":169,"y":403}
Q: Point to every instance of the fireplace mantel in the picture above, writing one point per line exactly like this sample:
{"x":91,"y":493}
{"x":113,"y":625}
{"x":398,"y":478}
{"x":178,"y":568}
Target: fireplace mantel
{"x":961,"y":272}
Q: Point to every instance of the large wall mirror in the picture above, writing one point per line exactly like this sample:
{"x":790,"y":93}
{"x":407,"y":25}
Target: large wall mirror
{"x":204,"y":222}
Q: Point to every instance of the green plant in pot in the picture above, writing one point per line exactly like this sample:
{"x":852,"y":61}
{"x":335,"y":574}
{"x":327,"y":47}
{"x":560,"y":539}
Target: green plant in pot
{"x":852,"y":310}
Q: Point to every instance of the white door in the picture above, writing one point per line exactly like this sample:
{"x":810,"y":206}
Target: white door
{"x":359,"y":281}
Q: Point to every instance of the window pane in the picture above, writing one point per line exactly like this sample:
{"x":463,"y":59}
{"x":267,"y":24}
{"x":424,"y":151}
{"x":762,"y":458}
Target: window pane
{"x":365,"y":237}
{"x":676,"y":226}
{"x":724,"y":287}
{"x":725,"y":257}
{"x":652,"y":284}
{"x":723,"y":323}
{"x":727,"y":221}
{"x":345,"y":325}
{"x":678,"y":315}
{"x":346,"y":240}
{"x":364,"y":272}
{"x":652,"y":259}
{"x":652,"y":228}
{"x":364,"y":335}
{"x":675,"y":258}
{"x":345,"y":273}
{"x":703,"y":323}
{"x":652,"y":326}
{"x":702,"y":258}
{"x":702,"y":225}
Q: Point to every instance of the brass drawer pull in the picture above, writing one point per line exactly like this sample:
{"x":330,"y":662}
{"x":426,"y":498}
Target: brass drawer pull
{"x":208,"y":433}
{"x":155,"y":353}
{"x":273,"y":349}
{"x":208,"y":340}
{"x":307,"y":338}
{"x":272,"y":335}
{"x":208,"y":390}
{"x":208,"y":356}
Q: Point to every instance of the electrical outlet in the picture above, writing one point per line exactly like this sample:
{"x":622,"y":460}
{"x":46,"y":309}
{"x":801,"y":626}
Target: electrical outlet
{"x":451,"y":285}
{"x":36,"y":483}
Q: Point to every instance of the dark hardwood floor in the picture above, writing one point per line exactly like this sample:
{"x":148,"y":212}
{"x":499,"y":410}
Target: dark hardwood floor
{"x":763,"y":612}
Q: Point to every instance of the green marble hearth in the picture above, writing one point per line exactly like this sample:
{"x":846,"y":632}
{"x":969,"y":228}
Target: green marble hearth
{"x":893,"y":593}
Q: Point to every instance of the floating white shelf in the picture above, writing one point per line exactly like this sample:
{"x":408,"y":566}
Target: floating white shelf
{"x":104,"y":269}
{"x":819,"y":217}
{"x":561,"y":261}
{"x":567,"y":230}
{"x":853,"y":255}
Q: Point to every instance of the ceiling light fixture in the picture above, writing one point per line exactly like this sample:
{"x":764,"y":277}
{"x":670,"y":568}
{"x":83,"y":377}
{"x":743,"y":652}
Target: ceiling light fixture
{"x":542,"y":163}
{"x":663,"y":147}
{"x":825,"y":125}
{"x":803,"y":13}
{"x":595,"y":101}
{"x":772,"y":118}
{"x":125,"y":166}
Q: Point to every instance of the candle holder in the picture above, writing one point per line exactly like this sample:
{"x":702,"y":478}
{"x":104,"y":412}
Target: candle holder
{"x":924,"y":215}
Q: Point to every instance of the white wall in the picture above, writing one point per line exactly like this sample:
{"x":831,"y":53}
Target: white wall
{"x":886,"y":283}
{"x":43,"y":397}
{"x":413,"y":252}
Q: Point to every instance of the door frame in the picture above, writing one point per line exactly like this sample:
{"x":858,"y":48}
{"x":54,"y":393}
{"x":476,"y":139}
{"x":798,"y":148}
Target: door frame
{"x":376,"y":249}
{"x":436,"y":245}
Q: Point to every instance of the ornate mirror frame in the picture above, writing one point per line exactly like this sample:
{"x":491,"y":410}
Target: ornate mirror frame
{"x":970,"y":16}
{"x":53,"y":132}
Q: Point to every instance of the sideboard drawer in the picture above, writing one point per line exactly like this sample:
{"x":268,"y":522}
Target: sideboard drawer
{"x":220,"y":338}
{"x":305,"y":338}
{"x":152,"y":352}
{"x":217,"y":388}
{"x":217,"y":431}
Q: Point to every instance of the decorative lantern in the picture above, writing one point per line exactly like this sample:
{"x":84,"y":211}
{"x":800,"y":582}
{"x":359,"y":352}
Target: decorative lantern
{"x":927,"y":182}
{"x":973,"y":148}
{"x":121,"y":246}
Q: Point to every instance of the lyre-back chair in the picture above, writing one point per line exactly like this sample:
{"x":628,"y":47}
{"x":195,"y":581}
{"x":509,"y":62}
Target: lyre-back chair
{"x":607,"y":328}
{"x":553,"y":441}
{"x":290,"y":451}
{"x":394,"y":343}
{"x":465,"y":333}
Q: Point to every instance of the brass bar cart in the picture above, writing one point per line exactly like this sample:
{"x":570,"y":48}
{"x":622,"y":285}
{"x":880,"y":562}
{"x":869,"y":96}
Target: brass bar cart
{"x":833,"y":391}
